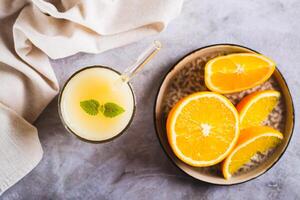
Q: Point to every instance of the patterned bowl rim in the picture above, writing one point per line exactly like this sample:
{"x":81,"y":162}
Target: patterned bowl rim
{"x":155,"y":119}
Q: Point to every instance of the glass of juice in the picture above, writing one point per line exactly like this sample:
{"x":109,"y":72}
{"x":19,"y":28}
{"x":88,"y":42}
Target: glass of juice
{"x":97,"y":103}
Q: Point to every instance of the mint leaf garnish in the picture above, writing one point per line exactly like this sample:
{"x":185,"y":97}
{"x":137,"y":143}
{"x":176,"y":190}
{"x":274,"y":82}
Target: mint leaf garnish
{"x":111,"y":110}
{"x":90,"y":106}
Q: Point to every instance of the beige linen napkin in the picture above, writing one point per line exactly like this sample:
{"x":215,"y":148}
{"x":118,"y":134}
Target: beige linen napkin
{"x":30,"y":31}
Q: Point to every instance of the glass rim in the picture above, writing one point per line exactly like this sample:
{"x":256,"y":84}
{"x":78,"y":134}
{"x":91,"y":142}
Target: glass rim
{"x":73,"y":132}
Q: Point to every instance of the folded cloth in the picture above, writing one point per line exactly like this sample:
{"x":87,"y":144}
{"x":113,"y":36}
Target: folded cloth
{"x":30,"y":31}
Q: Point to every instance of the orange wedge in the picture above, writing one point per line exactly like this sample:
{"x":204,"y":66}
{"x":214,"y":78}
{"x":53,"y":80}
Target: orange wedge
{"x":251,"y":141}
{"x":255,"y":108}
{"x":237,"y":72}
{"x":202,"y":128}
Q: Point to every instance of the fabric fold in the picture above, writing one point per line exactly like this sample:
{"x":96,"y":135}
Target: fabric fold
{"x":20,"y":148}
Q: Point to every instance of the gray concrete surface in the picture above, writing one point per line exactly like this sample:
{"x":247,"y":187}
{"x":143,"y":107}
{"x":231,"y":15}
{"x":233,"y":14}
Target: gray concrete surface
{"x":134,"y":166}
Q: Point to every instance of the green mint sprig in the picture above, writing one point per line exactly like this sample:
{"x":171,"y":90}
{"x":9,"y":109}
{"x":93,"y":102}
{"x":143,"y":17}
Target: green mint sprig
{"x":93,"y":107}
{"x":90,"y":106}
{"x":111,"y":110}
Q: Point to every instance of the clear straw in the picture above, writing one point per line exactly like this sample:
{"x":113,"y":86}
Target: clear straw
{"x":141,"y":61}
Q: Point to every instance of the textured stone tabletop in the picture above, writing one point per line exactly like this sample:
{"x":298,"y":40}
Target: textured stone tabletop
{"x":134,"y":165}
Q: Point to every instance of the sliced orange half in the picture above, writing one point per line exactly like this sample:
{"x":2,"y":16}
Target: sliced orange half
{"x":202,"y":128}
{"x":251,"y":141}
{"x":255,"y":108}
{"x":237,"y":72}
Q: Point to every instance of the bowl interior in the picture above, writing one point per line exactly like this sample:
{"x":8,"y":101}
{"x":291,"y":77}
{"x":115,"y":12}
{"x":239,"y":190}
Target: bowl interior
{"x":186,"y":77}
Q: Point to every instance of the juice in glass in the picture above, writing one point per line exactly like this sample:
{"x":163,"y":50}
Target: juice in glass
{"x":103,"y":86}
{"x":97,"y":103}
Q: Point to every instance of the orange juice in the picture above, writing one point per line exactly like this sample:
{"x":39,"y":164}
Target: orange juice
{"x":102,"y":85}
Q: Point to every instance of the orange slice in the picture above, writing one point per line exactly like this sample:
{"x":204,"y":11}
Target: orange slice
{"x":256,"y":107}
{"x":202,"y":128}
{"x":237,"y":72}
{"x":251,"y":141}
